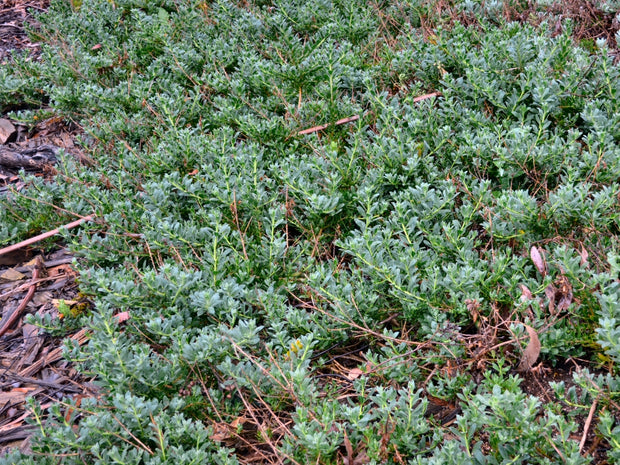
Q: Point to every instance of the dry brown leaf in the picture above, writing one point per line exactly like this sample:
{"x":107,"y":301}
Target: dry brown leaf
{"x":16,"y":395}
{"x":354,"y":373}
{"x":60,"y":270}
{"x":122,"y":317}
{"x":538,"y":260}
{"x":41,"y":298}
{"x":584,"y":257}
{"x":57,"y":302}
{"x":565,"y":293}
{"x":349,"y":448}
{"x":361,"y":458}
{"x":237,"y":421}
{"x":551,"y":291}
{"x":221,"y":432}
{"x":526,"y":294}
{"x":473,"y":306}
{"x":565,"y":300}
{"x":532,"y":351}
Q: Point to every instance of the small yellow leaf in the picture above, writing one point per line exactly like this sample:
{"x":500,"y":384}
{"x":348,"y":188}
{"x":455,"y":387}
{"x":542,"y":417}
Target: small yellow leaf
{"x":60,"y":302}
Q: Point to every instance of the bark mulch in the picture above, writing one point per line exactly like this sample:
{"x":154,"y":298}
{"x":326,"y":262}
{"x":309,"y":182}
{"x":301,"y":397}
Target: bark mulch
{"x":32,"y":280}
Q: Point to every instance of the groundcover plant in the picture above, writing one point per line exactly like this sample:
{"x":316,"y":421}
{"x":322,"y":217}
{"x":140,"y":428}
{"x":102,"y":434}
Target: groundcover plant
{"x":341,"y":232}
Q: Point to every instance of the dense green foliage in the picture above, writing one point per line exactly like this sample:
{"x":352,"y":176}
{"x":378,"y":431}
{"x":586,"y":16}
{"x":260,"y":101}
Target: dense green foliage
{"x":252,"y":258}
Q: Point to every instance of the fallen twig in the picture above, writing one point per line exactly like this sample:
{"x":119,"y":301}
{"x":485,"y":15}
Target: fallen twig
{"x":18,"y":289}
{"x":45,"y":235}
{"x":350,"y":119}
{"x":7,"y":322}
{"x":586,"y":426}
{"x":426,"y":96}
{"x":39,"y":382}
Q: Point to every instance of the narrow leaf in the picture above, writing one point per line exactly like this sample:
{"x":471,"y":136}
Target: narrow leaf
{"x":526,"y":294}
{"x":349,"y":448}
{"x":538,"y":260}
{"x":532,"y":351}
{"x":551,"y":291}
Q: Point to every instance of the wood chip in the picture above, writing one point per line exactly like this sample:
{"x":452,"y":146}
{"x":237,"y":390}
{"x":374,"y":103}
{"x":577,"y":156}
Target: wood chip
{"x":80,"y":337}
{"x":11,"y":275}
{"x":8,"y":133}
{"x":16,"y":396}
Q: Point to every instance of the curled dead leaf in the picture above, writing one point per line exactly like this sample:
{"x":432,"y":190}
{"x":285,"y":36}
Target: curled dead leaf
{"x":584,"y":257}
{"x":565,"y":301}
{"x":550,"y":292}
{"x":221,"y":432}
{"x":361,"y":458}
{"x":538,"y":260}
{"x":526,"y":294}
{"x":122,"y":317}
{"x":473,"y":306}
{"x":565,"y":293}
{"x":532,"y":351}
{"x":238,"y":422}
{"x":349,"y":448}
{"x":354,"y":373}
{"x":353,"y":458}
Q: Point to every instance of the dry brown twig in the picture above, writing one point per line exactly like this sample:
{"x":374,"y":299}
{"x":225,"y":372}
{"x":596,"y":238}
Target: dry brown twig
{"x":45,"y":235}
{"x":314,"y":129}
{"x":353,"y":118}
{"x":586,"y":426}
{"x":426,"y":96}
{"x":24,"y":286}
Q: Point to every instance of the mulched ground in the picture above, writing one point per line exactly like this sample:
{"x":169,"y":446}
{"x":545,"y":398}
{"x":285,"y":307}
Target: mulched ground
{"x":13,"y":15}
{"x":32,"y":281}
